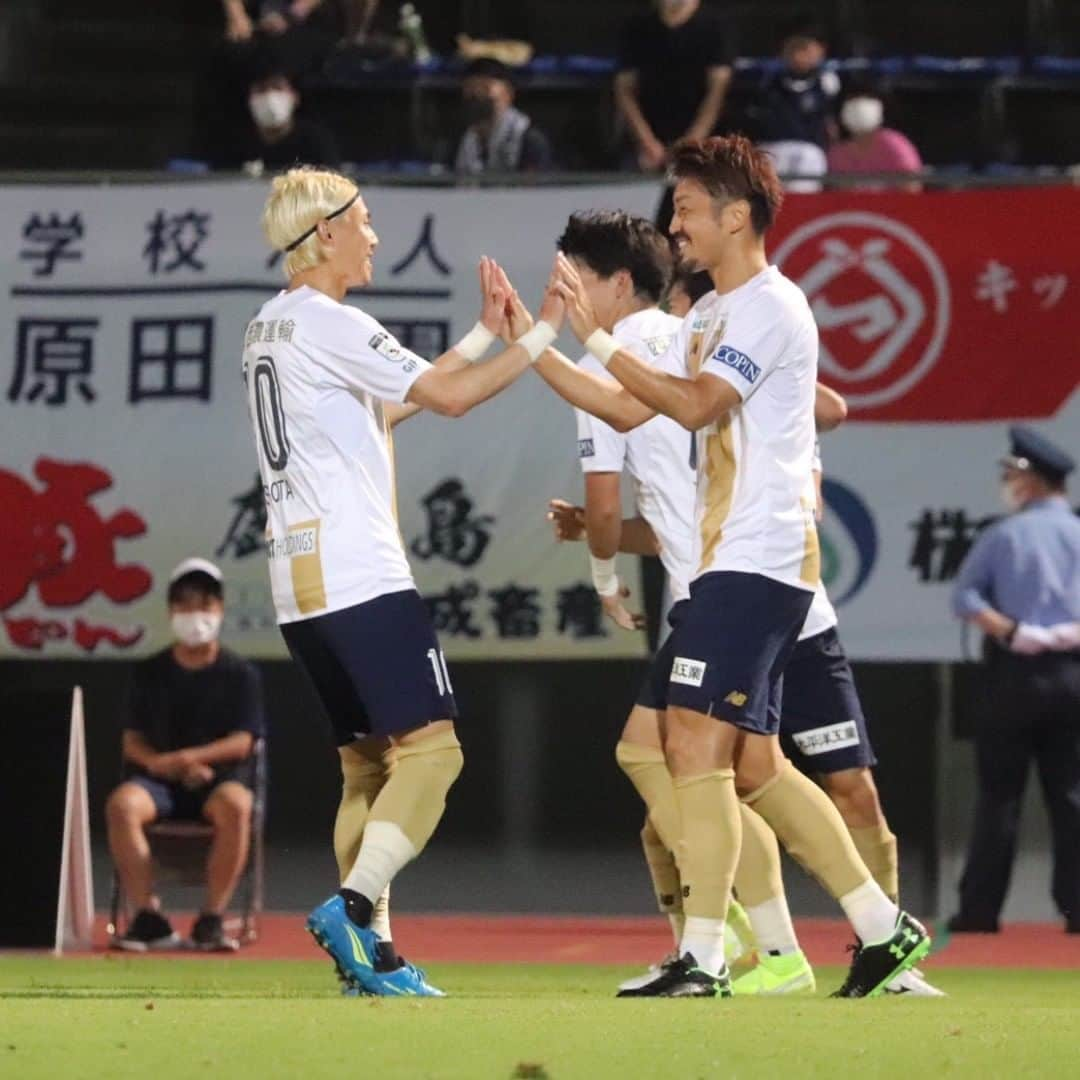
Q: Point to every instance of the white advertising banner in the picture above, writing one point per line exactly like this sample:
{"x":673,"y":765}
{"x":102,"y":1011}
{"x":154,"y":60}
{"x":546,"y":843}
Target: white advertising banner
{"x":125,"y":444}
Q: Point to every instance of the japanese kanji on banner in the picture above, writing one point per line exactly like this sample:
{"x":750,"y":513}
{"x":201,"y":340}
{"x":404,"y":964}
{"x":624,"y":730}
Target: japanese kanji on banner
{"x":126,"y":445}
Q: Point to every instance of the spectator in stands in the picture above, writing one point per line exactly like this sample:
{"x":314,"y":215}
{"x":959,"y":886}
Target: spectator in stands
{"x":279,"y":136}
{"x":871,"y":147}
{"x":795,"y":117}
{"x":498,"y":138}
{"x":195,"y":713}
{"x":673,"y":77}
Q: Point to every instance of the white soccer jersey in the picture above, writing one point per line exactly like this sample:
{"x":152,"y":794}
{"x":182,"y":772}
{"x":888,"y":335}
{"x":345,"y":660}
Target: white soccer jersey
{"x":755,"y":508}
{"x":656,"y":454}
{"x":822,"y":615}
{"x":316,"y":373}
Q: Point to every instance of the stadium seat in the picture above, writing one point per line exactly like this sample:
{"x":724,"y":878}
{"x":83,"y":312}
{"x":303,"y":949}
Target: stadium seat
{"x":179,"y":849}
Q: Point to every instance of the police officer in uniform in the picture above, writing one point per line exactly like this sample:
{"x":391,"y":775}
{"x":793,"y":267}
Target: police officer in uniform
{"x":1020,"y":585}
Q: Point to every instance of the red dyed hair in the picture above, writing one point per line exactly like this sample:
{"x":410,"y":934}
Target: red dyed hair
{"x":732,"y":167}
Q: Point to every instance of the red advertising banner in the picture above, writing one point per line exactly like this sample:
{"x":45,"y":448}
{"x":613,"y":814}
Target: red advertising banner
{"x":941,"y":306}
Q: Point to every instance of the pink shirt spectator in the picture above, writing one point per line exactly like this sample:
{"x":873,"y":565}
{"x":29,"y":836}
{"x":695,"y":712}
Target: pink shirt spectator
{"x":885,"y":151}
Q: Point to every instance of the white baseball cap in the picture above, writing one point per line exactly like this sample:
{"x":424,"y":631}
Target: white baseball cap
{"x":195,"y":565}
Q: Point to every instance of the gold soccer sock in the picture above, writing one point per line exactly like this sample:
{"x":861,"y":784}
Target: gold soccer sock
{"x":665,"y":878}
{"x":406,"y":810}
{"x":877,"y":846}
{"x":363,"y":773}
{"x":809,"y":826}
{"x":759,"y":884}
{"x":807,"y":823}
{"x":646,"y":768}
{"x":707,"y":856}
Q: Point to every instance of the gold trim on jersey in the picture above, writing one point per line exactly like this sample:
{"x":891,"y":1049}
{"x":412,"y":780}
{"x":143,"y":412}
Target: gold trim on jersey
{"x":309,"y":587}
{"x":720,"y":469}
{"x":810,"y":569}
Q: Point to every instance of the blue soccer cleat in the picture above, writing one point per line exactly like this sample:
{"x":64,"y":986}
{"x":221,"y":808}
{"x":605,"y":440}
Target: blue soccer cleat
{"x":352,"y":948}
{"x":405,"y":981}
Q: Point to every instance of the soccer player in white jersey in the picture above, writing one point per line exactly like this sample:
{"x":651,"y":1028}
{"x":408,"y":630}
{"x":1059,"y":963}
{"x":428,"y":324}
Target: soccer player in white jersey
{"x":324,"y":380}
{"x":746,"y":359}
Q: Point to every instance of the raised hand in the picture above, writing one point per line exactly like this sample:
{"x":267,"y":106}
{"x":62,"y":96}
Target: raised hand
{"x":567,"y":520}
{"x":579,"y":310}
{"x":614,"y":610}
{"x":493,"y":293}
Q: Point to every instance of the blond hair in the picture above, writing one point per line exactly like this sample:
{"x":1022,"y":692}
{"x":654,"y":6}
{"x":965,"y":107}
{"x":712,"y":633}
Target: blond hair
{"x":298,"y":200}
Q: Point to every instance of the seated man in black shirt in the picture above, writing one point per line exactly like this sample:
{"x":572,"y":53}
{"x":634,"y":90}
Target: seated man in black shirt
{"x":196,"y":710}
{"x":499,"y":138}
{"x":673,"y":77}
{"x":277,"y":137}
{"x":795,"y":117}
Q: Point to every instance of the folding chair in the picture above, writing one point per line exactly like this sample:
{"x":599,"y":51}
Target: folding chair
{"x":179,"y":850}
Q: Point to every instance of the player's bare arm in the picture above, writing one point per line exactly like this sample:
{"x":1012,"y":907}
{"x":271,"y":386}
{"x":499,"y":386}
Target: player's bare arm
{"x":830,"y":408}
{"x":693,"y":403}
{"x":454,"y":393}
{"x":636,"y":536}
{"x":462,"y":354}
{"x":601,"y":398}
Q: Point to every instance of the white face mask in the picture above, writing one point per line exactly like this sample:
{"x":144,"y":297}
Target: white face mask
{"x":194,"y":628}
{"x":862,"y":115}
{"x":272,"y":108}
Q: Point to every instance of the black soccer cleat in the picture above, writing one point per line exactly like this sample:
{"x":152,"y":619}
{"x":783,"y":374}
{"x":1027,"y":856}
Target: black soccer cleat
{"x":642,"y":985}
{"x":874,"y":966}
{"x":683,"y":978}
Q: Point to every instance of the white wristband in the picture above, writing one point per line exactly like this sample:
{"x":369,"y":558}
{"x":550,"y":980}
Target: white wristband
{"x":602,"y":345}
{"x":604,"y":578}
{"x":536,"y":340}
{"x":475,"y":343}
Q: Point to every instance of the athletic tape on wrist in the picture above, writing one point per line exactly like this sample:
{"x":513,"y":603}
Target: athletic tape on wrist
{"x":602,"y":345}
{"x":536,"y":340}
{"x":475,"y":343}
{"x":604,"y":578}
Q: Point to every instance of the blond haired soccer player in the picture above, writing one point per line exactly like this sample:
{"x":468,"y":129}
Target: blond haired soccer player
{"x":744,"y":381}
{"x":324,"y":380}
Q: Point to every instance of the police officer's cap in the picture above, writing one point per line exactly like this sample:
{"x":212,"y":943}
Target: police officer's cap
{"x":1032,"y":452}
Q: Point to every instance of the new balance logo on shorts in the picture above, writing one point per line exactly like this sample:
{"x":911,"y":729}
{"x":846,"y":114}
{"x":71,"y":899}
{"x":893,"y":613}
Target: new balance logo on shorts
{"x":687,"y":672}
{"x":585,"y":448}
{"x":739,"y":361}
{"x":824,"y":739}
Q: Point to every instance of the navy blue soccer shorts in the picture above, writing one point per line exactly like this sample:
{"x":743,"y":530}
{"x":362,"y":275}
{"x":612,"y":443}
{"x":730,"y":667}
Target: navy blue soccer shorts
{"x":376,"y":667}
{"x":733,"y":640}
{"x":822,"y":721}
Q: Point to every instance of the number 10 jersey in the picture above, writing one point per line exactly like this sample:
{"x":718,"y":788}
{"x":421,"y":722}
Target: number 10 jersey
{"x":316,"y":374}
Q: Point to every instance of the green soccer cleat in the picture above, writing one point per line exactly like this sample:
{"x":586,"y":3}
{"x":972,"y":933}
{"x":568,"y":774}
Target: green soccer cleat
{"x":739,"y":941}
{"x":787,"y":974}
{"x":878,"y":963}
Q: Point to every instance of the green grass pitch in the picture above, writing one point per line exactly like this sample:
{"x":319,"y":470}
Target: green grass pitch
{"x":159,"y":1018}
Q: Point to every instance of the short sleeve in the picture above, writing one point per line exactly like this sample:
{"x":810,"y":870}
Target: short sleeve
{"x":717,"y":50}
{"x":600,"y":447}
{"x":629,"y":56}
{"x":906,"y":156}
{"x":140,"y":708}
{"x":250,"y":712}
{"x":358,"y":353}
{"x":752,"y":347}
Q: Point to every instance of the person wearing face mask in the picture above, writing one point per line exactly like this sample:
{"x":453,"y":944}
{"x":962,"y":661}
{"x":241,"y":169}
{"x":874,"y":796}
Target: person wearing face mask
{"x":498,"y":137}
{"x":279,"y":135}
{"x":872,"y":148}
{"x":196,"y":711}
{"x":795,"y":116}
{"x":1020,"y":585}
